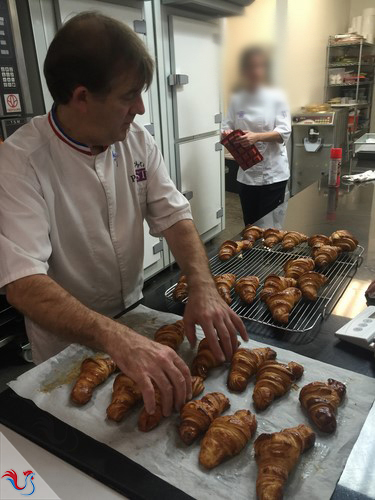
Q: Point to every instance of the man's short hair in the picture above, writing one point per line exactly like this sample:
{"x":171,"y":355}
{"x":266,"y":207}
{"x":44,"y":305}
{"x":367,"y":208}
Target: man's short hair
{"x":91,"y":50}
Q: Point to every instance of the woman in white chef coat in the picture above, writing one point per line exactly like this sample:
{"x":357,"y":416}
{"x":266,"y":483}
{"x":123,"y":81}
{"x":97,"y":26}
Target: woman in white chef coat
{"x":262,"y":112}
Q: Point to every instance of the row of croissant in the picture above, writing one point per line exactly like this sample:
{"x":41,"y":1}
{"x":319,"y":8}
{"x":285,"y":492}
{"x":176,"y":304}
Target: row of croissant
{"x":324,"y":248}
{"x":226,"y":436}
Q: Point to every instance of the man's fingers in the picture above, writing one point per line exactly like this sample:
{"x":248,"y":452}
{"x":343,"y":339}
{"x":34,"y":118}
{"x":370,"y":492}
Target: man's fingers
{"x":225,"y":339}
{"x":190,"y":332}
{"x":186,"y":374}
{"x":213,"y":341}
{"x":166,"y":392}
{"x":238,"y":323}
{"x":178,"y":381}
{"x":233,"y":333}
{"x":148,"y":394}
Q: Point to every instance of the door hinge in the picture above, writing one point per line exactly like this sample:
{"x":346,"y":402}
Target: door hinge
{"x":150,"y":128}
{"x":140,"y":26}
{"x":188,"y":194}
{"x":158,"y":247}
{"x":218,"y":146}
{"x":178,"y":80}
{"x":218,"y":118}
{"x":220,"y":213}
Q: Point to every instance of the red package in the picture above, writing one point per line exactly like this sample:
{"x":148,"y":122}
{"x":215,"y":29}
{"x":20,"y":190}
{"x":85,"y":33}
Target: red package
{"x":246,"y":157}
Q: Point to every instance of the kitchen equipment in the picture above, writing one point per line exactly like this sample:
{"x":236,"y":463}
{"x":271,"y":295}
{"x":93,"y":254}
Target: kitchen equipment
{"x":360,"y":330}
{"x":364,"y":147}
{"x":314,"y":134}
{"x":246,"y":157}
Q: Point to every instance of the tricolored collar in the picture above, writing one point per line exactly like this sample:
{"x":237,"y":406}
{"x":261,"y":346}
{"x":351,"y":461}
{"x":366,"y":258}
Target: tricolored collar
{"x":78,"y":146}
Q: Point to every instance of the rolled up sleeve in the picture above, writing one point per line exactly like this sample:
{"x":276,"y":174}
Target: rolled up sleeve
{"x":24,"y":228}
{"x":283,"y":123}
{"x":165,"y":204}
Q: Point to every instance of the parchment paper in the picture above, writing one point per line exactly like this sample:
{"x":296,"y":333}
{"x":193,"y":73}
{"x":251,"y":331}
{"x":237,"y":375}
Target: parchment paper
{"x":162,"y":452}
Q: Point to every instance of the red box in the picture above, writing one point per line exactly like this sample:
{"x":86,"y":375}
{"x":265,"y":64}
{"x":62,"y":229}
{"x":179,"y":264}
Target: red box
{"x":246,"y":157}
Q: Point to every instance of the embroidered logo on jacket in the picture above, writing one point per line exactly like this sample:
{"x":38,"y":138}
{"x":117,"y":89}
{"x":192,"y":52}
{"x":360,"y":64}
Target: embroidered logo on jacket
{"x":140,"y":172}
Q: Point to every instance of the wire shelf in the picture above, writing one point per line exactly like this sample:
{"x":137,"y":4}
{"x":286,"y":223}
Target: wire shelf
{"x":261,"y":261}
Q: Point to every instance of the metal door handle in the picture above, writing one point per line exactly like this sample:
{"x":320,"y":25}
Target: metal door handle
{"x":178,"y":80}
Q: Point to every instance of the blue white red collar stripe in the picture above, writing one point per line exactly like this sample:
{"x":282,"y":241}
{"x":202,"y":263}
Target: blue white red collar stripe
{"x":78,"y":146}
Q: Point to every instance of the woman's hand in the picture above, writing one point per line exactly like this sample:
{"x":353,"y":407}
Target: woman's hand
{"x":247,"y":139}
{"x":224,"y":133}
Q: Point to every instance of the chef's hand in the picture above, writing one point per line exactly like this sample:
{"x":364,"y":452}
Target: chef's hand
{"x":371,"y":290}
{"x":206,"y":308}
{"x":145,"y":362}
{"x":247,"y":139}
{"x":224,"y":133}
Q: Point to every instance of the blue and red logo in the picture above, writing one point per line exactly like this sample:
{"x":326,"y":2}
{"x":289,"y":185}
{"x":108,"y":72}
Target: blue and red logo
{"x":12,"y":477}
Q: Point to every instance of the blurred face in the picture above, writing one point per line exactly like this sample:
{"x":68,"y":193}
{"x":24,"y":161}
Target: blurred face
{"x":256,"y":71}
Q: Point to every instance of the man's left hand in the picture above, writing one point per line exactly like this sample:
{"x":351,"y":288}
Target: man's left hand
{"x":206,"y":308}
{"x":248,"y":139}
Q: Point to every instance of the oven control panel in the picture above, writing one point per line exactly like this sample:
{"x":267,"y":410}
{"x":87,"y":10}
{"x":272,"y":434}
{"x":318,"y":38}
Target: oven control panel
{"x":314,"y":119}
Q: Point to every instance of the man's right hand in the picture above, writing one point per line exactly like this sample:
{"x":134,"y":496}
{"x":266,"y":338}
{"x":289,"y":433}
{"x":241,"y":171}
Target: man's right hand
{"x":145,"y":362}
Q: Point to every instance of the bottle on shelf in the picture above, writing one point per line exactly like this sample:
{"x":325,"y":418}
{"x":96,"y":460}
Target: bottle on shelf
{"x":334,"y":173}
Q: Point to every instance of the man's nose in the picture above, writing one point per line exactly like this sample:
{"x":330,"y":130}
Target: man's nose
{"x":138,"y":108}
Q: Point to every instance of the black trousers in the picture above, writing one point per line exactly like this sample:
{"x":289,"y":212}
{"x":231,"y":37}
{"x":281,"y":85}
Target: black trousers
{"x":258,"y":201}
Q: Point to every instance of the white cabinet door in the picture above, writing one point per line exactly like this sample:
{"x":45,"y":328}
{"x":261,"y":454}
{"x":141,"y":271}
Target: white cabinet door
{"x":200,"y":171}
{"x":196,"y":53}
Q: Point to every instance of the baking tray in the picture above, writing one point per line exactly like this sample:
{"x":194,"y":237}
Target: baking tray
{"x":262,"y":261}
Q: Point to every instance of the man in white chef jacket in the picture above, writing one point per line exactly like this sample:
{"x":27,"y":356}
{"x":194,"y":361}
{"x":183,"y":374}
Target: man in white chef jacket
{"x":75,"y":187}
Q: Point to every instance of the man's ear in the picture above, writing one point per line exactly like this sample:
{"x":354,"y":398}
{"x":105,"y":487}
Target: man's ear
{"x":80,"y":98}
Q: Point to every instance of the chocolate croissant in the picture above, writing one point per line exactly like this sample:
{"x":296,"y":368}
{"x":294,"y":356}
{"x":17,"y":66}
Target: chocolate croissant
{"x":294,"y":268}
{"x":281,"y":304}
{"x":326,"y":254}
{"x":321,"y":400}
{"x":171,"y":335}
{"x":148,"y":421}
{"x":230,"y":248}
{"x":224,"y":283}
{"x":245,"y":364}
{"x":94,"y":371}
{"x":252,"y":232}
{"x":292,"y":239}
{"x":204,"y":360}
{"x":309,"y":284}
{"x":318,"y":240}
{"x":276,"y":455}
{"x":272,"y":236}
{"x":196,"y":416}
{"x":125,"y":395}
{"x":273,"y":380}
{"x":246,"y":288}
{"x":274,"y":283}
{"x":226,"y":437}
{"x":344,"y":240}
{"x":180,"y":292}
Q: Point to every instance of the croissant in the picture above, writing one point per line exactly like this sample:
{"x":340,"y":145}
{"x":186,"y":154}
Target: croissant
{"x":344,"y":240}
{"x":204,"y":360}
{"x":171,"y":335}
{"x":226,"y":437}
{"x":309,"y":284}
{"x":325,"y":255}
{"x":295,"y":267}
{"x":274,"y":283}
{"x":274,"y":380}
{"x":318,"y":240}
{"x":252,"y":232}
{"x":272,"y":236}
{"x":280,"y":304}
{"x":276,"y":455}
{"x":224,"y":283}
{"x":180,"y":292}
{"x":230,"y":248}
{"x":147,"y":421}
{"x":196,"y":416}
{"x":93,"y":373}
{"x":245,"y":364}
{"x":321,"y":400}
{"x":246,"y":288}
{"x":292,"y":239}
{"x":125,"y":396}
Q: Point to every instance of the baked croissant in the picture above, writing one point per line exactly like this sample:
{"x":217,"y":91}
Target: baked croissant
{"x":246,"y":288}
{"x":294,"y":268}
{"x":276,"y":455}
{"x":180,"y":292}
{"x":292,"y":239}
{"x":325,"y":255}
{"x":171,"y":335}
{"x":230,"y":248}
{"x":272,"y":236}
{"x":204,"y":360}
{"x":309,"y":284}
{"x":94,"y":371}
{"x":321,"y":400}
{"x":280,"y":304}
{"x":147,"y":421}
{"x":245,"y":364}
{"x":196,"y":416}
{"x":226,"y":437}
{"x":125,"y":395}
{"x":273,"y":380}
{"x":344,"y":240}
{"x":274,"y":283}
{"x":224,"y":283}
{"x":318,"y":240}
{"x":252,"y":232}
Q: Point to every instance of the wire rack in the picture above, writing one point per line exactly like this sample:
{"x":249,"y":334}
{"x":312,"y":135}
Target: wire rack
{"x":261,"y":261}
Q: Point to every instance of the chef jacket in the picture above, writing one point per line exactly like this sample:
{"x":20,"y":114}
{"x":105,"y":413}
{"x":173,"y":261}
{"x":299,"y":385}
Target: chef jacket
{"x":78,"y":217}
{"x":264,"y":110}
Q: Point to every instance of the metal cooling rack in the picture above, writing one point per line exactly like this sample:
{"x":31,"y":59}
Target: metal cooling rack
{"x":261,"y":261}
